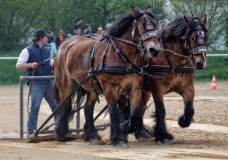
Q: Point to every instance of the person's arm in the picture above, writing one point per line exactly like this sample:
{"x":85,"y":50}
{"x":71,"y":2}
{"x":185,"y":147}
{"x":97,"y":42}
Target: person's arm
{"x":27,"y":66}
{"x":22,"y":61}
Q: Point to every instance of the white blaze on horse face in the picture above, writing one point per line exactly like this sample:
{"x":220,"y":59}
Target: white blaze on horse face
{"x":152,"y":48}
{"x":201,"y":58}
{"x":205,"y":60}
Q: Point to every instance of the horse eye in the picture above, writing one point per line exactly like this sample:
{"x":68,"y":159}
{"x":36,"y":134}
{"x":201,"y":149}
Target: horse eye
{"x":192,"y":39}
{"x":141,"y":27}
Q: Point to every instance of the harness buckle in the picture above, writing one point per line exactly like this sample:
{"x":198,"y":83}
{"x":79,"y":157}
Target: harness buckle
{"x":133,"y":70}
{"x":141,"y":71}
{"x":128,"y":69}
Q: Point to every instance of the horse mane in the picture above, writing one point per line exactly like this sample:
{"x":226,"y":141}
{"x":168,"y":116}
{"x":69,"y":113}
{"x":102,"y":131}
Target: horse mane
{"x":178,"y":28}
{"x":121,"y":24}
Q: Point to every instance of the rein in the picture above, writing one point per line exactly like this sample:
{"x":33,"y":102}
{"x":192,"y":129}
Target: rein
{"x":150,"y":70}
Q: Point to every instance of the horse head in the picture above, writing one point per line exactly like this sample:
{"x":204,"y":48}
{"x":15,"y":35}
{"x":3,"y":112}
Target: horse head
{"x":195,"y":39}
{"x":144,"y":31}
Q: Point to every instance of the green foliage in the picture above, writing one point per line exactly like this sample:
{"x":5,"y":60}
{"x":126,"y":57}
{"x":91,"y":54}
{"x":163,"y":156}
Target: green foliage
{"x":19,"y":18}
{"x":9,"y":75}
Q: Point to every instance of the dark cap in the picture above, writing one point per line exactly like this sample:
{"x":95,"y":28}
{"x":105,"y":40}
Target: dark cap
{"x":40,"y":32}
{"x":78,"y":19}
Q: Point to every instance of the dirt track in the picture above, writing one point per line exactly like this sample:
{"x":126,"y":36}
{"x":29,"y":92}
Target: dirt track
{"x":206,"y":138}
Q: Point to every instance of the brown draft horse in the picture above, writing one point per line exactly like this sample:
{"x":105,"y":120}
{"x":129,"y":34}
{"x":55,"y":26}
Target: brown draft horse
{"x":110,"y":64}
{"x":172,"y":71}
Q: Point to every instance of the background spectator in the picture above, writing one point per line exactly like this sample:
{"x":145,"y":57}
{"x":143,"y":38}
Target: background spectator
{"x":60,"y":38}
{"x":51,"y":44}
{"x":78,"y":32}
{"x":88,"y":29}
{"x":99,"y":30}
{"x":78,"y":26}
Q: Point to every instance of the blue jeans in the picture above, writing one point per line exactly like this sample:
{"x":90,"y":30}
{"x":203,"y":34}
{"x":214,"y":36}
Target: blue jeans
{"x":40,"y":89}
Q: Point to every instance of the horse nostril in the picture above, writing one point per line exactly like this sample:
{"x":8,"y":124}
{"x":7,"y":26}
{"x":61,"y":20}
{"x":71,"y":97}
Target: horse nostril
{"x":199,"y":66}
{"x":154,"y":52}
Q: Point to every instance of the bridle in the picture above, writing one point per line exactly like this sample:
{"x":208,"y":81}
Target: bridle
{"x":181,"y":69}
{"x":149,"y":27}
{"x":150,"y":34}
{"x":147,"y":35}
{"x":193,"y":51}
{"x":200,"y":40}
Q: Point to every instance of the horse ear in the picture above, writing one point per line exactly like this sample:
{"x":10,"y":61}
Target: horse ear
{"x":187,"y":21}
{"x":134,"y":10}
{"x":204,"y":19}
{"x":148,"y":9}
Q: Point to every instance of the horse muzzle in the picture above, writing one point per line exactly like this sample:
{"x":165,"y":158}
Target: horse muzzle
{"x":201,"y":65}
{"x":153,"y":52}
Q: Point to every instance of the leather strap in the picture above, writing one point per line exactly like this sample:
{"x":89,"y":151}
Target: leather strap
{"x":167,"y":69}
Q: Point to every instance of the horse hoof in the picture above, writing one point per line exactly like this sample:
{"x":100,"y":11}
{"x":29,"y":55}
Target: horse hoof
{"x":142,"y":135}
{"x":183,"y":122}
{"x":122,"y":144}
{"x":167,"y":141}
{"x":58,"y":138}
{"x":94,"y":141}
{"x":141,"y":139}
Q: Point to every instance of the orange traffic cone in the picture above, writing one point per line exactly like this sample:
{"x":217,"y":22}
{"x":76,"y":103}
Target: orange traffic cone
{"x":213,"y":83}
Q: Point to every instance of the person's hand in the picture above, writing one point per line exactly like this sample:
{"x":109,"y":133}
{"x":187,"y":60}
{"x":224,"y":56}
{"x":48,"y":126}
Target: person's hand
{"x":34,"y":65}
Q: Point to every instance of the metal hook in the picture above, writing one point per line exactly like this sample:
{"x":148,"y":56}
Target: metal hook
{"x":160,"y":24}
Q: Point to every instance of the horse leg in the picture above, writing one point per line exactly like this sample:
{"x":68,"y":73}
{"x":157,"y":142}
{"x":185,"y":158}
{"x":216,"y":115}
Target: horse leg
{"x":116,"y":137}
{"x":160,"y":132}
{"x":188,"y":97}
{"x":124,"y":112}
{"x":61,"y":124}
{"x":89,"y":128}
{"x":130,"y":126}
{"x":141,"y":132}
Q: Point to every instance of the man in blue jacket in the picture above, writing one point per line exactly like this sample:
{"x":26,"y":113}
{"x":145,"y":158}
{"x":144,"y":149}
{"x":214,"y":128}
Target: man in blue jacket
{"x":33,"y":58}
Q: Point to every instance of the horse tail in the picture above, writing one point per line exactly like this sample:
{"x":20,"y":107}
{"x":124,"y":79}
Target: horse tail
{"x":77,"y":100}
{"x":55,"y":94}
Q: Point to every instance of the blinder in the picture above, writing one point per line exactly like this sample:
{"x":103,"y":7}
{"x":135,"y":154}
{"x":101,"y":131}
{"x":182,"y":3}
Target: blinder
{"x":148,"y":24}
{"x":200,"y":39}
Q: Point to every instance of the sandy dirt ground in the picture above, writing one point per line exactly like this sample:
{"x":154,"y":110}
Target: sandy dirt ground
{"x":206,"y":138}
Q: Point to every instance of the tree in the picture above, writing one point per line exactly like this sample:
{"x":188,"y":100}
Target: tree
{"x":19,"y":18}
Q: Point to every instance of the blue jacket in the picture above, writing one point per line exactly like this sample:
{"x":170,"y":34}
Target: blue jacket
{"x":37,"y":54}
